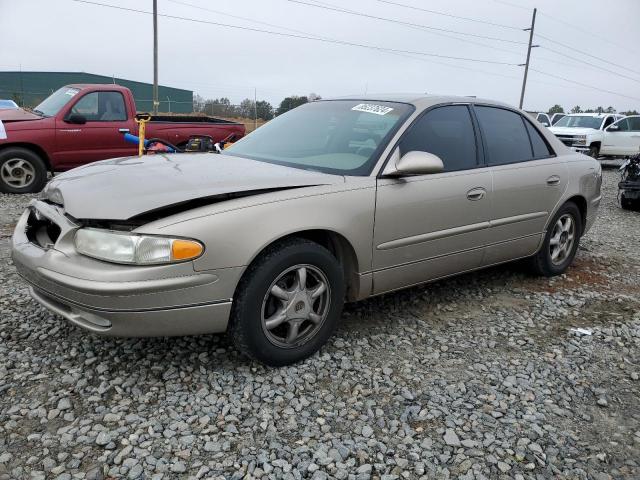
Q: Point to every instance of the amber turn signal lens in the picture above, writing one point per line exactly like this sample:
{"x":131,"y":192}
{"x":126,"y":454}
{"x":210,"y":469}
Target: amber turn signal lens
{"x":185,"y":250}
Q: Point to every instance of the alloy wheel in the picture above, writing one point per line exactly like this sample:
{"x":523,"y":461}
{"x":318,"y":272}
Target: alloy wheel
{"x":562,"y":239}
{"x":17,"y":172}
{"x":295,"y":306}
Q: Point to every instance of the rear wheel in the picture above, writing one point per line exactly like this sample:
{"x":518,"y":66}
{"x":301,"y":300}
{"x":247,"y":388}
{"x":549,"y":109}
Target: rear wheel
{"x":288,"y":303}
{"x":560,"y":242}
{"x":21,"y":171}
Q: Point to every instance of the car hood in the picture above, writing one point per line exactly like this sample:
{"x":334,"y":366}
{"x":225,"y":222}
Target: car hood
{"x":123,"y":188}
{"x":573,"y":131}
{"x":18,"y":115}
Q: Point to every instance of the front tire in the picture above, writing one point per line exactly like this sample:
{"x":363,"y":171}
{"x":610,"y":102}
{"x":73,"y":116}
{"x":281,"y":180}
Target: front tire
{"x":560,"y":242}
{"x":594,"y":151}
{"x":288,"y":303}
{"x":21,"y":171}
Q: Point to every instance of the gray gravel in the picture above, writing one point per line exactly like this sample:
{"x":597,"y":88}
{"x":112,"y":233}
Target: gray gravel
{"x":474,"y":377}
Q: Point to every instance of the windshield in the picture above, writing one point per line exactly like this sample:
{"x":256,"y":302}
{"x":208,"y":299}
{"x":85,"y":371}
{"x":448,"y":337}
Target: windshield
{"x":579,"y":122}
{"x":58,"y":99}
{"x":339,"y":136}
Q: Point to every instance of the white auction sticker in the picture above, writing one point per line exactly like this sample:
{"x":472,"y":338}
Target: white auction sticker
{"x":3,"y":132}
{"x":372,"y":108}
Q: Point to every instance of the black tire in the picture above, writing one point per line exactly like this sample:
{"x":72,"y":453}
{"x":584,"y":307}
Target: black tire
{"x":32,"y":172}
{"x":247,"y":329}
{"x":542,"y":263}
{"x":594,"y":151}
{"x":625,"y":203}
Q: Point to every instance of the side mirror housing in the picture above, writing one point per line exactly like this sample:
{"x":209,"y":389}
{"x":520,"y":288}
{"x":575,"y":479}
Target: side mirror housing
{"x":413,"y":163}
{"x":612,"y":128}
{"x":76,"y":118}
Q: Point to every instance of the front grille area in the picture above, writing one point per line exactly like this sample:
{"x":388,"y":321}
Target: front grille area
{"x":41,"y":231}
{"x":568,"y":140}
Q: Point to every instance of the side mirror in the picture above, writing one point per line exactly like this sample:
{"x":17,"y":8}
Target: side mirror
{"x":76,"y":118}
{"x":612,"y":128}
{"x":413,"y":163}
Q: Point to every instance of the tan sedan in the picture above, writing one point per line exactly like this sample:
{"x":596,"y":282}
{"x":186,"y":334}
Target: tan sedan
{"x":335,"y":200}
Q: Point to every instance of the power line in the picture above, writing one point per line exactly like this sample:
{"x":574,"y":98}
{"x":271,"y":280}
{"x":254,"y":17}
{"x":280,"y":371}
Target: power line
{"x":327,"y":6}
{"x":584,"y":84}
{"x":589,"y":63}
{"x":591,"y":33}
{"x":587,"y":54}
{"x":305,"y":37}
{"x":435,"y":12}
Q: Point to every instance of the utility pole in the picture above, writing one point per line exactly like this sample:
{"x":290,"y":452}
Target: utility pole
{"x":526,"y":65}
{"x":155,"y":57}
{"x":255,"y":108}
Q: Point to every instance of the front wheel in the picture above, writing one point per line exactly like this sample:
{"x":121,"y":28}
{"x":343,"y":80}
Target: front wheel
{"x":288,"y":303}
{"x":594,"y":151}
{"x":21,"y":171}
{"x":560,"y":242}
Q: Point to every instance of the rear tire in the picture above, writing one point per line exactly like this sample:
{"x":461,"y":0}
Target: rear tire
{"x":294,"y":322}
{"x":560,"y":242}
{"x":21,"y":171}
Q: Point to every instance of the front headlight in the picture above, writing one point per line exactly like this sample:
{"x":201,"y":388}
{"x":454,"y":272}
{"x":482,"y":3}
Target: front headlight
{"x":135,"y":249}
{"x":580,"y":139}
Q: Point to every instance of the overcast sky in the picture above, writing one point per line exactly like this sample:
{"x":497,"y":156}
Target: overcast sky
{"x":216,"y":61}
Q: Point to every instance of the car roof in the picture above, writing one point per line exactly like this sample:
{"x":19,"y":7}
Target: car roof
{"x":420,"y":100}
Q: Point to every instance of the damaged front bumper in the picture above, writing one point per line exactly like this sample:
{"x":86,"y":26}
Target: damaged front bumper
{"x":112,"y":299}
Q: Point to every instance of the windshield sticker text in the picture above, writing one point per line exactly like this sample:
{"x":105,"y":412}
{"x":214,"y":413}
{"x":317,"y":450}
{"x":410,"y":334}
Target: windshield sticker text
{"x":372,"y":108}
{"x":71,"y":92}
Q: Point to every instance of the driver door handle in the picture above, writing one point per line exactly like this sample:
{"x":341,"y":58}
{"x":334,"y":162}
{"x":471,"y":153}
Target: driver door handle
{"x":476,"y":194}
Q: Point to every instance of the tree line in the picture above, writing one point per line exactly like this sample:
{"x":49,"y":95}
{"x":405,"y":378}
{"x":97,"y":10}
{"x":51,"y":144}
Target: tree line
{"x":578,"y":109}
{"x":249,"y":108}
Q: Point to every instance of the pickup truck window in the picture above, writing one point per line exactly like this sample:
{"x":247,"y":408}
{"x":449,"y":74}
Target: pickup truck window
{"x":51,"y":105}
{"x":634,"y":124}
{"x":101,"y":107}
{"x":579,"y":122}
{"x":608,"y":122}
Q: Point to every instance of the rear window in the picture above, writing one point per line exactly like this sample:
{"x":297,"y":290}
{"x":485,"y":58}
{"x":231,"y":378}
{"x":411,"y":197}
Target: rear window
{"x":505,"y":136}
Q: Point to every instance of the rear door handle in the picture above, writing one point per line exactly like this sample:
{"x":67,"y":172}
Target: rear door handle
{"x":123,"y":130}
{"x":476,"y":194}
{"x":553,"y":180}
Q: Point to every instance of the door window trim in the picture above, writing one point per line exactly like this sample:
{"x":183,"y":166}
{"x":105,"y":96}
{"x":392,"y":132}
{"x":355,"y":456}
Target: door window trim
{"x":522,"y":117}
{"x":479,"y":156}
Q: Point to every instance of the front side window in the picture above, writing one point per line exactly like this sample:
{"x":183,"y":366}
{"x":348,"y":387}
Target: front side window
{"x":623,"y":125}
{"x":101,"y":107}
{"x":505,"y":136}
{"x":343,"y":137}
{"x":446,"y":132}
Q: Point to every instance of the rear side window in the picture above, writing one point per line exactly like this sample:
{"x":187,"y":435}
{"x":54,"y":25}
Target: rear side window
{"x":540,"y":147}
{"x":446,"y":132}
{"x":505,"y":136}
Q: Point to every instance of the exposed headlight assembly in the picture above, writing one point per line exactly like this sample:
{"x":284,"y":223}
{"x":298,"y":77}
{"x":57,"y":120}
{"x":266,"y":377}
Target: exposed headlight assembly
{"x":127,"y":248}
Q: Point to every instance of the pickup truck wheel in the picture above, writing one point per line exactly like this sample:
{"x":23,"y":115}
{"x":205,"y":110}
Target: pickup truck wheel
{"x":21,"y":171}
{"x":628,"y":204}
{"x":288,"y":303}
{"x":560,"y":243}
{"x":594,"y":151}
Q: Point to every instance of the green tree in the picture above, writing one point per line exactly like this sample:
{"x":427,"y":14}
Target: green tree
{"x":291,"y":102}
{"x":264,"y":109}
{"x":247,"y":108}
{"x":576,"y":109}
{"x":555,"y":109}
{"x":600,"y":110}
{"x":630,"y":112}
{"x":610,"y":110}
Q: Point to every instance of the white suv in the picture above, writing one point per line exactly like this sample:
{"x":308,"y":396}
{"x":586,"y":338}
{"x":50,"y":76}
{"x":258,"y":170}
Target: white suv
{"x":584,"y":132}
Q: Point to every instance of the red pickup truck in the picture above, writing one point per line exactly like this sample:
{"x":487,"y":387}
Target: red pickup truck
{"x":79,"y":124}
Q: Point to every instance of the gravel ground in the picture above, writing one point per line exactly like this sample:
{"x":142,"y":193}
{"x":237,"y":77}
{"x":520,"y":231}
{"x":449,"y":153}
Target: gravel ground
{"x":474,"y":377}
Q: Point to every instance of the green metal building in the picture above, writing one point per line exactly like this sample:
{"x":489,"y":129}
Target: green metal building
{"x":28,"y":89}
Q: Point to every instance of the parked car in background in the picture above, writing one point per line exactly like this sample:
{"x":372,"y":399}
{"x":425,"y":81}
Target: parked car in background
{"x":541,"y":117}
{"x":557,"y":116}
{"x":622,"y":138}
{"x":8,"y":105}
{"x":584,"y":132}
{"x":79,"y":124}
{"x":334,"y":200}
